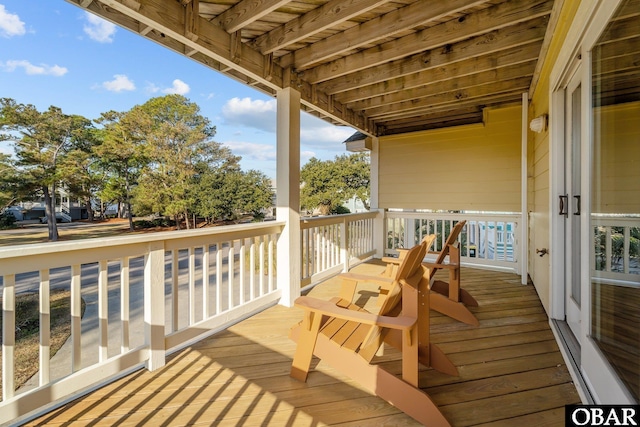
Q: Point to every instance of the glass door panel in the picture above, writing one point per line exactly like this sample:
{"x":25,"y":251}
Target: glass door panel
{"x":615,"y":197}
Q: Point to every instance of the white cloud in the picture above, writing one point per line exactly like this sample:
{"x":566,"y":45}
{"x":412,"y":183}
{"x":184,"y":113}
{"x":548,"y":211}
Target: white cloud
{"x":98,"y":29}
{"x":179,"y":88}
{"x":31,"y":69}
{"x":119,"y":83}
{"x":251,"y":113}
{"x":151,"y":88}
{"x":10,"y":24}
{"x":252,"y":151}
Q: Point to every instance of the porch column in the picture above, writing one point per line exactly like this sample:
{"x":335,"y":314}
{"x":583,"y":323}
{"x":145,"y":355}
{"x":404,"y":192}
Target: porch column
{"x":288,"y":194}
{"x":378,"y":222}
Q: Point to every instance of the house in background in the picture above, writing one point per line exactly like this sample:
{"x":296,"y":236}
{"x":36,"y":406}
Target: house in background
{"x":524,"y":111}
{"x":66,"y":209}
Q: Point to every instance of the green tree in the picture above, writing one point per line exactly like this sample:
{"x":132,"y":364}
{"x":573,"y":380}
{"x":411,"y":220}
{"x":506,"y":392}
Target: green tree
{"x":229,"y":194}
{"x":179,"y":138}
{"x":122,"y":154}
{"x":328,"y":184}
{"x":15,"y":185}
{"x":41,"y":141}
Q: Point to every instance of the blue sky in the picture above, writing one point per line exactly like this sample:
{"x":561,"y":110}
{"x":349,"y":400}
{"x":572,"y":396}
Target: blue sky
{"x":54,"y":53}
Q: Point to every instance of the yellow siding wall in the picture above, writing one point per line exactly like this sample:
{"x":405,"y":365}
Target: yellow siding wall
{"x":538,"y":161}
{"x":471,"y":167}
{"x":617,"y":162}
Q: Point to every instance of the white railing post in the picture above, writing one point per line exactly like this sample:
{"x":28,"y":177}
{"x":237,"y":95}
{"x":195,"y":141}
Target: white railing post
{"x":379,"y":233}
{"x":154,"y":304}
{"x":289,"y":255}
{"x":344,"y":244}
{"x":379,"y":229}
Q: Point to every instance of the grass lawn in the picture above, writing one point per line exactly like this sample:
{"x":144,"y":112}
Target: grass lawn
{"x":28,"y":331}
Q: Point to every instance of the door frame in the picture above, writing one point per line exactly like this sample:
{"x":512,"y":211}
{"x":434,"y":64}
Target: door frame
{"x":590,"y":20}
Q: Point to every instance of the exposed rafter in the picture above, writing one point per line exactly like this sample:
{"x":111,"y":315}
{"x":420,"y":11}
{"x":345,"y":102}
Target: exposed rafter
{"x":454,"y":71}
{"x":475,"y":24}
{"x":313,"y":22}
{"x":245,"y":12}
{"x":450,"y":85}
{"x":495,"y":41}
{"x":376,"y":29}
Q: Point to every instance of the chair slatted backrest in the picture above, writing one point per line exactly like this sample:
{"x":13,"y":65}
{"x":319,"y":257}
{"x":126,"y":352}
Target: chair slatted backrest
{"x":453,"y":238}
{"x":391,"y":305}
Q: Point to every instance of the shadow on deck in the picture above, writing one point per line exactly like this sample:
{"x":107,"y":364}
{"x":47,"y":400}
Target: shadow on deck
{"x":511,"y":373}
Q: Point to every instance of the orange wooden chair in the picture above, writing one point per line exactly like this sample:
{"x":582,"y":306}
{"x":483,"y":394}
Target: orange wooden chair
{"x":347,"y":337}
{"x":449,"y":298}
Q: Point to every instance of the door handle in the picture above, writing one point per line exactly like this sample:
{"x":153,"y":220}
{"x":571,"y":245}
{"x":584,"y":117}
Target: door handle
{"x":564,"y":201}
{"x":577,"y":211}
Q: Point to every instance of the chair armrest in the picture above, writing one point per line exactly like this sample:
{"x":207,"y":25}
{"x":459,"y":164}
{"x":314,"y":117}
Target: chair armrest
{"x":329,"y":308}
{"x":443,"y":266}
{"x":391,"y":260}
{"x":366,"y":278}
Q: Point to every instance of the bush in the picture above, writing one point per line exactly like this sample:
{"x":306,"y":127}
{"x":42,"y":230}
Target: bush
{"x":340,"y":210}
{"x":7,"y":220}
{"x":156,"y":222}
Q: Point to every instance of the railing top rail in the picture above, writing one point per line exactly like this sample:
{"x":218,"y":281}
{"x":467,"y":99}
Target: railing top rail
{"x":615,"y":220}
{"x":334,"y":219}
{"x":454,"y":216}
{"x":15,"y":259}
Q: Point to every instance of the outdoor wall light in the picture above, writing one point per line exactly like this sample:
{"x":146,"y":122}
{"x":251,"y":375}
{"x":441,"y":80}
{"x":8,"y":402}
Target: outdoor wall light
{"x":539,"y":124}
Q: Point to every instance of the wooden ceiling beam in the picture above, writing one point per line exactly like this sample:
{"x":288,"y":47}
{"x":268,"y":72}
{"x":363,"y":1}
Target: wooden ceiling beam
{"x":433,"y":117}
{"x":453,"y":84}
{"x":515,"y":86}
{"x":166,"y":21}
{"x":448,"y":110}
{"x":519,"y":55}
{"x":312,"y":22}
{"x":509,"y":38}
{"x":246,"y":12}
{"x":384,"y":26}
{"x":503,"y":15}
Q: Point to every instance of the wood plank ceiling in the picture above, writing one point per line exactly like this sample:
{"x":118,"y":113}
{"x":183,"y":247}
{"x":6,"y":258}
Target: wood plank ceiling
{"x":381,"y":67}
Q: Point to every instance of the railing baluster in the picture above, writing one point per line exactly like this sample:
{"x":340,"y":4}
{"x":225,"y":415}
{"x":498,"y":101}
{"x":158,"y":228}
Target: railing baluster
{"x":76,"y":318}
{"x":124,"y":303}
{"x":261,"y":249}
{"x":45,"y":327}
{"x":272,"y":238}
{"x":243,"y":266}
{"x":175,"y":277}
{"x":8,"y":335}
{"x":252,"y":268}
{"x":192,"y":285}
{"x":205,"y":283}
{"x":103,"y":310}
{"x":219,"y":255}
{"x":627,"y":243}
{"x":231,"y":272}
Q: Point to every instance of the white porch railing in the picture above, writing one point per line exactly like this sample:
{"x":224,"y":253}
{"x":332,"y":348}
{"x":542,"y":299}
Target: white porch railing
{"x":144,"y":295}
{"x":487,"y":240}
{"x":616,"y":253}
{"x":332,"y":244}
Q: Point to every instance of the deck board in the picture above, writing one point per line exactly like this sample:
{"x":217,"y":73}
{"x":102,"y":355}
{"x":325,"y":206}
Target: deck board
{"x":511,"y":373}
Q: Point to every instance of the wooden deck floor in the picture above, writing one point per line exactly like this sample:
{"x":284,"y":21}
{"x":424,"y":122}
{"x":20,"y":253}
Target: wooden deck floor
{"x":511,"y":373}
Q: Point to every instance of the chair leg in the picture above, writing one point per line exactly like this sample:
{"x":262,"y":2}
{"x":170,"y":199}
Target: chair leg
{"x":307,"y":336}
{"x":455,"y":310}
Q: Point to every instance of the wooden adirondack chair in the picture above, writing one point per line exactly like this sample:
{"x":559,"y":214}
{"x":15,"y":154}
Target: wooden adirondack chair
{"x":347,"y":337}
{"x":449,"y":298}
